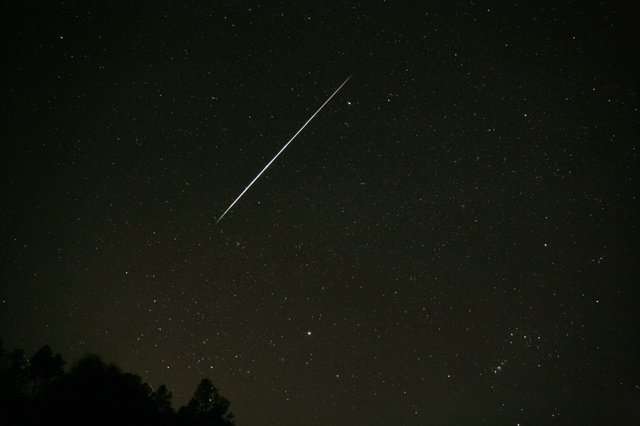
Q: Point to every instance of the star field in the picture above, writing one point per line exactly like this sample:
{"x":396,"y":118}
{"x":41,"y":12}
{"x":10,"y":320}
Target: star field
{"x":453,"y":240}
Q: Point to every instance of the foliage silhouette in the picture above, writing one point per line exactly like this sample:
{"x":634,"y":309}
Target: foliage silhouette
{"x":37,"y":390}
{"x":207,"y":407}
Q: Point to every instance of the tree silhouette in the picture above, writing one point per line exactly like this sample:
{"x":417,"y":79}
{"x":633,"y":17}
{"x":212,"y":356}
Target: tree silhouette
{"x":207,"y":407}
{"x":162,"y":399}
{"x":37,"y":390}
{"x":14,"y":381}
{"x":44,"y":366}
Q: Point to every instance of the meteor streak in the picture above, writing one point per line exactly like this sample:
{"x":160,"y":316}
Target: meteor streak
{"x":283,"y":148}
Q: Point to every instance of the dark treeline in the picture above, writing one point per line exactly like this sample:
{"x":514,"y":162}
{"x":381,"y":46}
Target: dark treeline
{"x":37,"y":390}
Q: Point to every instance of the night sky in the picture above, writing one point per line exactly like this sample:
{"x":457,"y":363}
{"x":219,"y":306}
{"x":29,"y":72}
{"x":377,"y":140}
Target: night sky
{"x":453,"y":240}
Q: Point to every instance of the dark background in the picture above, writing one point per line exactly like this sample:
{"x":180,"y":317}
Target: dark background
{"x":453,"y":240}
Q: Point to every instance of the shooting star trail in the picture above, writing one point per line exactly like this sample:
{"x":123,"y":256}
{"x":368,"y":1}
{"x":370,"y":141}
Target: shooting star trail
{"x":283,"y":148}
